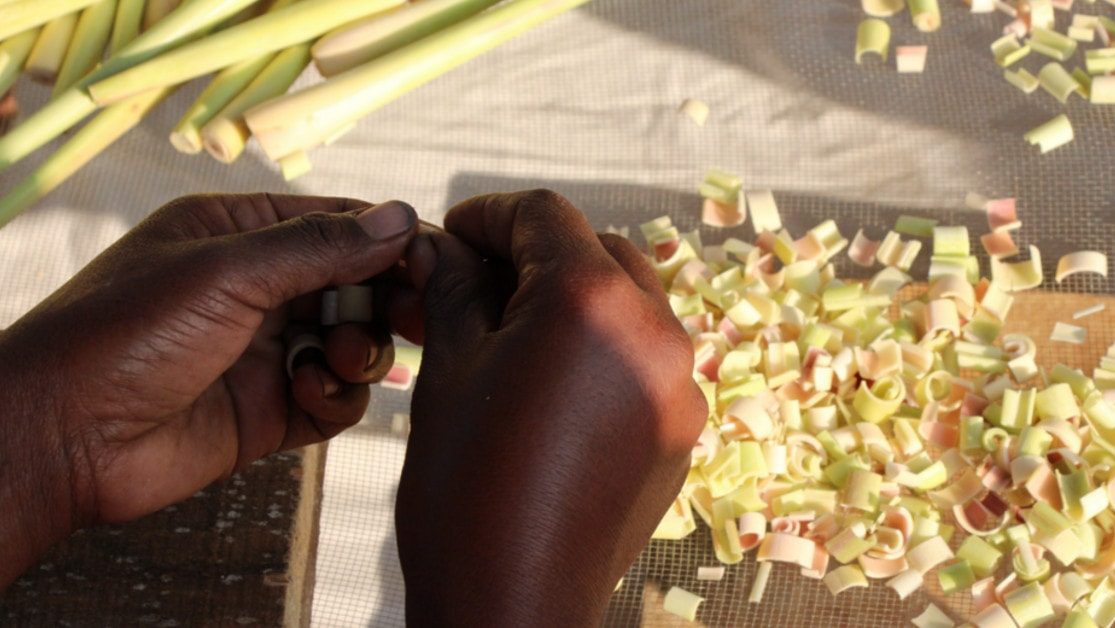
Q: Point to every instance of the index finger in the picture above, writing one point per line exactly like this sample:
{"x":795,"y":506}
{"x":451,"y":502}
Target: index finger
{"x":209,"y":215}
{"x":536,"y":228}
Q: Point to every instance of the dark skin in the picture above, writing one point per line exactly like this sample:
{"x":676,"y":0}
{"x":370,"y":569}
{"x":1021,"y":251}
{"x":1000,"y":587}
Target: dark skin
{"x":551,"y":422}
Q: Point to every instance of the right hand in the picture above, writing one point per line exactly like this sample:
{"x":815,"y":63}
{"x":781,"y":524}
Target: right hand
{"x":552,"y":420}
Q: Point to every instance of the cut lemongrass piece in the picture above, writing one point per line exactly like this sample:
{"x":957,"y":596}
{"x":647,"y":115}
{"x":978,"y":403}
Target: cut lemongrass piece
{"x":873,"y":35}
{"x":16,"y":17}
{"x":88,"y":44}
{"x":1008,"y":50}
{"x":376,"y":36}
{"x":714,"y":574}
{"x":915,"y":226}
{"x":1071,"y":334}
{"x":304,"y":119}
{"x":156,"y":10}
{"x":1086,"y":34}
{"x":1002,"y":214}
{"x":764,"y":211}
{"x":226,"y":135}
{"x":843,"y":578}
{"x":982,"y":6}
{"x":1059,"y":83}
{"x":1041,"y":14}
{"x":86,"y":144}
{"x":13,"y":54}
{"x":697,"y":110}
{"x":1022,"y":79}
{"x":925,"y":14}
{"x":682,"y":603}
{"x":1100,"y":60}
{"x":126,"y":24}
{"x":932,"y":617}
{"x":1052,"y":44}
{"x":910,"y":59}
{"x":1102,"y":90}
{"x":1081,"y":262}
{"x":295,"y":165}
{"x":1050,"y":135}
{"x":1088,"y":311}
{"x":882,"y":8}
{"x":71,"y":107}
{"x":1084,"y":81}
{"x":278,"y":30}
{"x":999,"y":244}
{"x":762,"y":576}
{"x":975,"y":200}
{"x":50,"y":48}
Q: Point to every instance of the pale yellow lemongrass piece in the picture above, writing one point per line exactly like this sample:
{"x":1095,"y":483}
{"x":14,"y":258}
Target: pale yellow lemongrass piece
{"x":16,"y":17}
{"x":928,"y":554}
{"x":295,"y":165}
{"x":1041,"y":14}
{"x":13,"y":54}
{"x":1022,"y":79}
{"x":156,"y":10}
{"x":90,"y":36}
{"x":993,"y":616}
{"x":910,"y":59}
{"x":1102,"y":90}
{"x":1007,"y":50}
{"x":1017,"y":276}
{"x":764,"y":211}
{"x":1052,"y":44}
{"x":752,"y":529}
{"x":873,"y":35}
{"x":1089,"y":311}
{"x":906,"y":583}
{"x":786,"y":548}
{"x":713,"y":574}
{"x":1028,"y":606}
{"x":1071,"y":334}
{"x":697,"y":110}
{"x":677,"y":523}
{"x":925,"y":14}
{"x":682,"y":603}
{"x":126,"y":24}
{"x":843,"y":578}
{"x":1081,"y":262}
{"x":762,"y":576}
{"x":882,"y":8}
{"x":932,"y":617}
{"x":1052,"y":134}
{"x":50,"y":48}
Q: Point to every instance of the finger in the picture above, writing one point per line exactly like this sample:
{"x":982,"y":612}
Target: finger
{"x":460,"y":300}
{"x":634,"y":262}
{"x":538,"y":228}
{"x":268,"y":267}
{"x":326,"y":406}
{"x":357,"y":354}
{"x":211,"y":215}
{"x":404,"y":313}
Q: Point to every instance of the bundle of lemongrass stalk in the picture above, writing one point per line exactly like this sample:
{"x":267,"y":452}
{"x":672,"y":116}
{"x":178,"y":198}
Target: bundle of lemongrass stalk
{"x":118,"y":59}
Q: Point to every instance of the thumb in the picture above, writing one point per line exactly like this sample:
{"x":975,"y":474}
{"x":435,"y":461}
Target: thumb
{"x":297,"y":256}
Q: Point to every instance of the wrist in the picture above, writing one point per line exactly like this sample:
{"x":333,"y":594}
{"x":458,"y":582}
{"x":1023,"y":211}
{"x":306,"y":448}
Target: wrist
{"x":35,"y":477}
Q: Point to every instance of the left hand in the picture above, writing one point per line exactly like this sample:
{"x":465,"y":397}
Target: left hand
{"x":161,"y":366}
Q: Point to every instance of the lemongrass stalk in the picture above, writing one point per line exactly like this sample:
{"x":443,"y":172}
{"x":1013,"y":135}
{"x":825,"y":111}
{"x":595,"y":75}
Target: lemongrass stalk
{"x":87,"y":143}
{"x":295,"y":165}
{"x":16,"y":17}
{"x":372,"y":37}
{"x":156,"y":10}
{"x":13,"y":54}
{"x":298,"y":23}
{"x":226,"y":135}
{"x":126,"y":25}
{"x":304,"y":119}
{"x":50,"y":48}
{"x":66,"y":110}
{"x":88,"y":44}
{"x":186,"y":136}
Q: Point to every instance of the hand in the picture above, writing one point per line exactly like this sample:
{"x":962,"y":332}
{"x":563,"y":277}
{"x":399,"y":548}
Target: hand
{"x":552,"y":420}
{"x":161,"y":366}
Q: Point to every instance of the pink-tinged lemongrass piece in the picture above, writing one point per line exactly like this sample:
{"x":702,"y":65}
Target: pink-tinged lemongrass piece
{"x":881,"y":567}
{"x":820,"y":565}
{"x":863,"y":249}
{"x":983,"y":594}
{"x":716,"y":214}
{"x":999,"y":244}
{"x":910,"y":59}
{"x":752,"y":530}
{"x":993,"y":616}
{"x":1002,"y":214}
{"x":400,"y":377}
{"x":1081,"y":262}
{"x":786,"y":548}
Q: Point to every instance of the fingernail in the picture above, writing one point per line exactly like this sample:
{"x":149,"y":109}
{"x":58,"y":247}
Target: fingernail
{"x":421,"y":261}
{"x":329,"y":384}
{"x":373,"y":357}
{"x":387,"y":220}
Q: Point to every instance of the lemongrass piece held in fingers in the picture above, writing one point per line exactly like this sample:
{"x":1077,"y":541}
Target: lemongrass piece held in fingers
{"x":157,"y":10}
{"x":13,"y":54}
{"x":126,"y":24}
{"x":378,"y":35}
{"x":71,"y":107}
{"x":298,"y":23}
{"x":50,"y":48}
{"x":305,"y":119}
{"x":225,"y":136}
{"x":88,"y":45}
{"x":87,"y":143}
{"x":16,"y":17}
{"x":873,"y":35}
{"x":186,"y":136}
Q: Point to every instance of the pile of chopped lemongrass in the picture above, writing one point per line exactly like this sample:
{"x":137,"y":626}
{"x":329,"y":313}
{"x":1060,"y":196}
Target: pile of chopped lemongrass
{"x":856,"y":427}
{"x":1029,"y":26}
{"x":124,"y":57}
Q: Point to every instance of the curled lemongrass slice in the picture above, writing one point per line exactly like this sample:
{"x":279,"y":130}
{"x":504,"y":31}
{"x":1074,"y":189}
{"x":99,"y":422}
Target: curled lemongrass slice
{"x":1022,"y":79}
{"x":1002,"y":214}
{"x":882,"y":8}
{"x":787,"y":548}
{"x":682,"y":603}
{"x":932,"y":617}
{"x":906,"y":583}
{"x":1102,"y":90}
{"x":993,"y":616}
{"x":1052,"y":134}
{"x":925,"y":14}
{"x":1059,"y":83}
{"x":1071,"y":334}
{"x":305,"y":342}
{"x":1028,"y":606}
{"x":847,"y":577}
{"x":862,"y":250}
{"x":762,"y":576}
{"x":752,"y":529}
{"x":915,"y":226}
{"x":1081,"y":262}
{"x":910,"y":59}
{"x":873,"y":35}
{"x":697,"y":110}
{"x":1016,"y":276}
{"x":717,"y":214}
{"x":999,"y":244}
{"x":1052,"y":44}
{"x":928,"y":554}
{"x":1008,"y":50}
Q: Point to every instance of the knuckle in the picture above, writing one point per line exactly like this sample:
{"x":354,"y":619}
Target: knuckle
{"x":542,"y":198}
{"x":324,"y":230}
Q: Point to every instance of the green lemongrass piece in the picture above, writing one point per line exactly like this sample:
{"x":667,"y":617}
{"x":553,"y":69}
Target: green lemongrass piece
{"x":13,"y":54}
{"x":1034,"y":441}
{"x":873,"y":35}
{"x":1102,"y":90}
{"x":226,"y":135}
{"x":992,"y":438}
{"x":1084,"y":81}
{"x":1008,"y":50}
{"x":1022,"y":79}
{"x":925,"y":14}
{"x":955,"y":576}
{"x":1080,"y":384}
{"x":1052,"y":44}
{"x":980,"y":555}
{"x":914,"y":226}
{"x":682,"y":603}
{"x":880,"y":400}
{"x":367,"y":39}
{"x":723,"y":180}
{"x":712,"y":192}
{"x":838,"y":472}
{"x":1074,"y":486}
{"x":88,"y":44}
{"x":1016,"y":276}
{"x":304,"y":119}
{"x":971,"y":433}
{"x":295,"y":165}
{"x":16,"y":17}
{"x":1028,"y":606}
{"x":126,"y":24}
{"x":72,"y":106}
{"x":951,"y":241}
{"x":1059,"y":83}
{"x":156,"y":10}
{"x":1047,"y":521}
{"x":87,"y":143}
{"x":843,"y":578}
{"x":882,"y":8}
{"x":297,"y":23}
{"x":926,"y":479}
{"x":1017,"y":409}
{"x":186,"y":136}
{"x":980,"y":364}
{"x":862,"y":490}
{"x":1056,"y":402}
{"x":1100,"y":60}
{"x":1078,"y":618}
{"x":50,"y":48}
